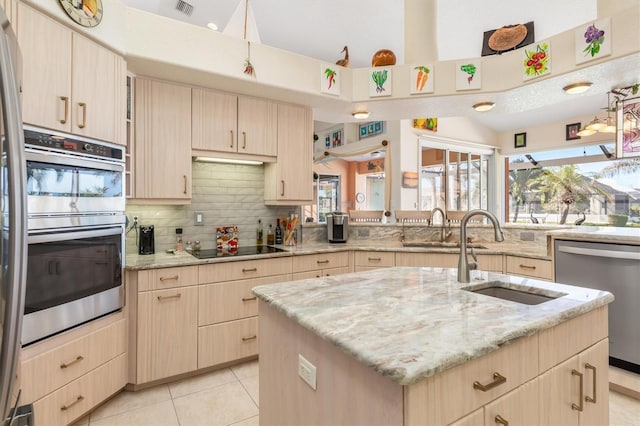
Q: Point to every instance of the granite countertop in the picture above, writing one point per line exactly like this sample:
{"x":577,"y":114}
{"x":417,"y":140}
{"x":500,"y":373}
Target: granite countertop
{"x":165,"y":260}
{"x":410,"y":323}
{"x":603,"y":234}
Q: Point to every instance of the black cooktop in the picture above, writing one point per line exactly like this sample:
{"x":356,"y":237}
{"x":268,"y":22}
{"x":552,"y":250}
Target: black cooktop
{"x":240,"y":251}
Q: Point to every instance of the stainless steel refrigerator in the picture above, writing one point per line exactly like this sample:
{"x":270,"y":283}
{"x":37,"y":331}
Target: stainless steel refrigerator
{"x":13,"y":250}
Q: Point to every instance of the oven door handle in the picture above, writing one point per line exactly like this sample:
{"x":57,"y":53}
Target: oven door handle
{"x":63,"y":236}
{"x":71,"y":160}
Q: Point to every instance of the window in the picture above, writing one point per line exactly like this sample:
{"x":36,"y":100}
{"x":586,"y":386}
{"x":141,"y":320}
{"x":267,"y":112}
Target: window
{"x":453,"y":179}
{"x":328,"y":196}
{"x":573,"y":185}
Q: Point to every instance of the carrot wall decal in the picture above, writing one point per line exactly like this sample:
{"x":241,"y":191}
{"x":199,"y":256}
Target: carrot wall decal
{"x":423,"y":76}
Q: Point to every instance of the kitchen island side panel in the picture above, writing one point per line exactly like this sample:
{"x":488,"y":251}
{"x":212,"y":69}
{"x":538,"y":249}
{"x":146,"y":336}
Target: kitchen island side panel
{"x":344,"y":385}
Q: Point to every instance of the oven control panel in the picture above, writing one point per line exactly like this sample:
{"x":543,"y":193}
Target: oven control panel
{"x":67,"y":144}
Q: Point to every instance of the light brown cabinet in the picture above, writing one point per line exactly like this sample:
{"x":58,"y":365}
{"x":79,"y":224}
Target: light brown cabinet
{"x":70,"y":83}
{"x":162,"y":135}
{"x":366,"y":260}
{"x":228,"y":123}
{"x":67,"y":375}
{"x":525,"y":266}
{"x":486,"y":262}
{"x":320,"y":265}
{"x":290,"y":180}
{"x":167,"y":333}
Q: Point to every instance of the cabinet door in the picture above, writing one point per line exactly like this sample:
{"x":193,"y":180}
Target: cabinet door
{"x":163,"y":135}
{"x":290,"y":179}
{"x":559,"y":392}
{"x":521,"y":406}
{"x":257,"y":127}
{"x":46,"y":70}
{"x":214,"y":121}
{"x":594,"y":364}
{"x":93,"y":95}
{"x":437,"y":260}
{"x":167,"y":333}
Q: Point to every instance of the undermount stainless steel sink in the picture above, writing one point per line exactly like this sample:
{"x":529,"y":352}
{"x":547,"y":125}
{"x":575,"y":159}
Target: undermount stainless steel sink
{"x":514,"y":293}
{"x":441,"y":244}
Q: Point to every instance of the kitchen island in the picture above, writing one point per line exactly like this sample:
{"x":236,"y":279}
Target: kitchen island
{"x":406,"y":345}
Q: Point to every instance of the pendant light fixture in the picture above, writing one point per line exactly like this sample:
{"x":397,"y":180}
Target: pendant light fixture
{"x":600,"y":125}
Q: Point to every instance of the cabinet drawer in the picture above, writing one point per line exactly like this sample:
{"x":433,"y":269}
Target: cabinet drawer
{"x":227,"y":342}
{"x":376,"y":259}
{"x":320,"y":273}
{"x":521,"y":406}
{"x":78,"y":397}
{"x":159,"y":279}
{"x":517,"y":362}
{"x":320,"y":261}
{"x":49,"y":371}
{"x":536,"y":268}
{"x":230,"y":271}
{"x":231,"y":300}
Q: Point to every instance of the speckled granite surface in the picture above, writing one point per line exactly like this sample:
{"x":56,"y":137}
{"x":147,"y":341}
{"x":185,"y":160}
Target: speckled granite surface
{"x":602,"y":234}
{"x":411,"y":323}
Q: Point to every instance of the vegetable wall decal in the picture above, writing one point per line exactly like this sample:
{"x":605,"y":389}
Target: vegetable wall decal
{"x":537,"y":61}
{"x":593,"y":40}
{"x":468,"y":75}
{"x":330,"y":79}
{"x":421,"y":79}
{"x":380,"y":82}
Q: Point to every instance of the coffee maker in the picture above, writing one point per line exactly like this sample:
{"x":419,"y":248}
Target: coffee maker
{"x":146,"y":240}
{"x":337,"y":227}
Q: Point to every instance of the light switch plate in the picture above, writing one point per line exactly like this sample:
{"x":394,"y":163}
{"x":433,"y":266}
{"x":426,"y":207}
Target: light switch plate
{"x":199,"y":218}
{"x":307,"y":371}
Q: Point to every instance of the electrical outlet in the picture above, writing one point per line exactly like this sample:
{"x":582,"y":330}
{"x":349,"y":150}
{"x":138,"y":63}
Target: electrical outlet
{"x":199,"y":218}
{"x":307,"y":371}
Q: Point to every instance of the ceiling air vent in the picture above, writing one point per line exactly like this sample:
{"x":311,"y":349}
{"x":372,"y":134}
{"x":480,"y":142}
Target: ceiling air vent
{"x":184,"y":7}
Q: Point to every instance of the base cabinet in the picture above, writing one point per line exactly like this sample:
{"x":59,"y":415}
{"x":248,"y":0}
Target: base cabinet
{"x":167,"y":333}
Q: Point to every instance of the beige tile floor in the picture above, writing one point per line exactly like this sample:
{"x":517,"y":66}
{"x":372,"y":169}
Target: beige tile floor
{"x":230,"y":397}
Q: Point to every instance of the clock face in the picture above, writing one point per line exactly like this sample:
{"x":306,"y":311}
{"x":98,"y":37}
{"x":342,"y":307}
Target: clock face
{"x":87,"y":13}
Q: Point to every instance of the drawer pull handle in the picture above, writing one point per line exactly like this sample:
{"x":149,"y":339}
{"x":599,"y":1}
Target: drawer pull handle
{"x":374,"y":259}
{"x":248,"y":299}
{"x":65,"y":99}
{"x":66,"y":407}
{"x":175,"y":296}
{"x":527,"y":266}
{"x":175,"y":277}
{"x":580,"y":376}
{"x":249,"y":269}
{"x":588,"y":398}
{"x":69,"y":364}
{"x":320,"y":262}
{"x":501,"y":421}
{"x":246,"y":339}
{"x":84,"y":114}
{"x":498,"y":379}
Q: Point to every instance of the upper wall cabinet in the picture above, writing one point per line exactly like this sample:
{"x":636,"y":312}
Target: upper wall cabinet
{"x":289,"y":181}
{"x":162,"y":134}
{"x":70,"y":83}
{"x":227,"y":123}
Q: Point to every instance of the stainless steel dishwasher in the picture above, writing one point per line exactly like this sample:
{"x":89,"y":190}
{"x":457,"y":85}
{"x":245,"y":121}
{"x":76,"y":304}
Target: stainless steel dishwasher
{"x":614,"y":268}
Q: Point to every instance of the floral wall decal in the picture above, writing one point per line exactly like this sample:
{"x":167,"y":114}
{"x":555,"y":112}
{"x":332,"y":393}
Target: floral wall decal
{"x":593,"y":40}
{"x":536,"y":61}
{"x":468,"y":75}
{"x":330,"y":79}
{"x":380,"y":82}
{"x":421,"y":79}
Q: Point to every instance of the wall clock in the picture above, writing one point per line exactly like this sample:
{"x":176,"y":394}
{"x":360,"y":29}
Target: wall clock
{"x":87,"y":13}
{"x":360,"y":197}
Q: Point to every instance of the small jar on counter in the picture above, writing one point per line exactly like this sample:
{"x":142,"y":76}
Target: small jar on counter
{"x":196,"y":246}
{"x":188,"y":246}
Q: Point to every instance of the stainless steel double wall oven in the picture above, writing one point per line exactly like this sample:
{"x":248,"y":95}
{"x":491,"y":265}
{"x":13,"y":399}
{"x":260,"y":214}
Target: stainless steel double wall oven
{"x":76,"y":223}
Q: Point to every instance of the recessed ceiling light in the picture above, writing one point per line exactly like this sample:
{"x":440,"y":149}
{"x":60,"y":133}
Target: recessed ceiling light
{"x":360,"y":115}
{"x":212,"y":26}
{"x":483,"y":106}
{"x":575,"y":88}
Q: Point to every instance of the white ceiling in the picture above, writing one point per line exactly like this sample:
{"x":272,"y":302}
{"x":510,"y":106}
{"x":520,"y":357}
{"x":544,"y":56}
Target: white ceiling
{"x":320,"y":29}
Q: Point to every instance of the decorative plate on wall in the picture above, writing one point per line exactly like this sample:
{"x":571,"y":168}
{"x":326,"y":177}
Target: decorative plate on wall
{"x":87,"y":13}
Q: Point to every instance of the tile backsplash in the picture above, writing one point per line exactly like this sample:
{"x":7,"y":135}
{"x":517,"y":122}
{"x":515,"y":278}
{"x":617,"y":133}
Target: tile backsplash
{"x":225,"y":194}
